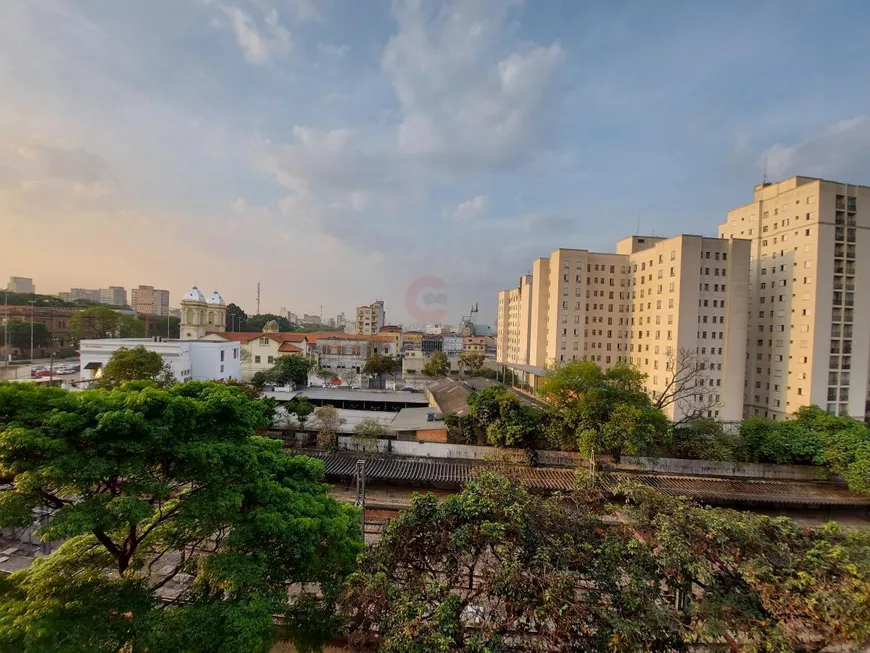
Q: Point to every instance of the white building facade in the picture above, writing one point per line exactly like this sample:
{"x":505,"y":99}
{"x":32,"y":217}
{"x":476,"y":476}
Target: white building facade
{"x":189,"y":360}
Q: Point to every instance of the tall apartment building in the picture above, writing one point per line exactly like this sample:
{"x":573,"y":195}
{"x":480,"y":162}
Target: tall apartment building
{"x":149,"y":300}
{"x":23,"y":285}
{"x":659,"y":304}
{"x":369,"y":319}
{"x":808,"y":337}
{"x":114,"y":295}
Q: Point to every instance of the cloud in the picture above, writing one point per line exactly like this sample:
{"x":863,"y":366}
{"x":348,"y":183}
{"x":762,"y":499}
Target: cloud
{"x":835,"y":152}
{"x":463,"y":105}
{"x":260,"y":41}
{"x":333,"y":50}
{"x":471,"y":209}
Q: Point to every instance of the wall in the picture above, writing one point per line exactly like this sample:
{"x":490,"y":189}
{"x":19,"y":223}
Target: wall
{"x":206,"y":361}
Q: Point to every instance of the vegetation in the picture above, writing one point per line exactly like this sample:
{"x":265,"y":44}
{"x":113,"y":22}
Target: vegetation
{"x":602,"y":412}
{"x":301,"y":408}
{"x":103,"y":322}
{"x":379,"y":364}
{"x":326,"y":375}
{"x":146,"y":484}
{"x":287,"y":369}
{"x":328,"y":423}
{"x":506,"y":420}
{"x":471,"y":362}
{"x":437,"y":365}
{"x":367,"y":433}
{"x":136,"y":364}
{"x":169,"y":327}
{"x":498,"y":568}
{"x":19,"y":335}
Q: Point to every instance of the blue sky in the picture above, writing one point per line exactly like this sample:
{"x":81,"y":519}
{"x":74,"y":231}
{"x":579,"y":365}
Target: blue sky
{"x":337,"y":150}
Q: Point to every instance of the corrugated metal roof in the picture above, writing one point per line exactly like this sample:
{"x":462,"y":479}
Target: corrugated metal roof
{"x":424,"y":471}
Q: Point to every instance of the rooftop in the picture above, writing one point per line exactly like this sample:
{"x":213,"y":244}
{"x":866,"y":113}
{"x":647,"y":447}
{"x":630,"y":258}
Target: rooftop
{"x":414,"y":419}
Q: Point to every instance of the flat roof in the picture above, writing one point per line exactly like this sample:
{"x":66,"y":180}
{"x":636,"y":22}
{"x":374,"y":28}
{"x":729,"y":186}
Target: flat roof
{"x":345,"y":394}
{"x":414,"y":419}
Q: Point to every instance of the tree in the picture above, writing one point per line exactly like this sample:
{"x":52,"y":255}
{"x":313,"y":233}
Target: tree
{"x":367,"y":433}
{"x":703,"y":439}
{"x":379,"y":364}
{"x":326,"y":375}
{"x":136,"y":364}
{"x":236,"y":318}
{"x":686,"y":373}
{"x":169,"y":326}
{"x":506,"y":420}
{"x":19,"y":334}
{"x":257,"y":322}
{"x":291,"y":369}
{"x":102,"y":322}
{"x":328,"y":422}
{"x":301,"y":408}
{"x":471,"y":362}
{"x":599,"y":412}
{"x":145,"y":483}
{"x":437,"y":365}
{"x":496,"y":567}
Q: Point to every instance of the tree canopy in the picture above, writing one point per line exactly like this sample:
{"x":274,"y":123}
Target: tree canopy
{"x":145,"y":484}
{"x":136,"y":364}
{"x":379,"y":364}
{"x":602,"y":412}
{"x":506,"y":420}
{"x":287,"y":369}
{"x":19,"y":334}
{"x":437,"y":365}
{"x":471,"y":362}
{"x":103,"y":322}
{"x":498,"y":568}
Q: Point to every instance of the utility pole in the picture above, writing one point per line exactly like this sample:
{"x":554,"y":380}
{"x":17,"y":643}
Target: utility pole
{"x":31,"y":302}
{"x":361,"y":494}
{"x":258,"y":298}
{"x":6,"y":330}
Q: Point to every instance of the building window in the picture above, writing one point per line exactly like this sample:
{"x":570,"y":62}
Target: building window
{"x":270,"y":359}
{"x":222,"y":356}
{"x":256,"y":359}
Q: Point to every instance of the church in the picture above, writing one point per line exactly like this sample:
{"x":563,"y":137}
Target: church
{"x":200,"y":316}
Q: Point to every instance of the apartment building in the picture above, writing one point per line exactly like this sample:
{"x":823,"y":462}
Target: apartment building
{"x":808,"y":337}
{"x":149,"y":300}
{"x":114,"y":295}
{"x":22,"y":285}
{"x":661,"y":304}
{"x":370,"y":319}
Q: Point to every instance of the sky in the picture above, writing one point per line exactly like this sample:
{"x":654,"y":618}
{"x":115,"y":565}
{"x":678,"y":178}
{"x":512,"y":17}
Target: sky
{"x":422,"y":152}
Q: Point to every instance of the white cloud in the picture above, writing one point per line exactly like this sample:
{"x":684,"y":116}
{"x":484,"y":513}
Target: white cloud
{"x":260,"y":41}
{"x":333,"y":50}
{"x":476,"y":207}
{"x":463,"y":105}
{"x":836,"y":152}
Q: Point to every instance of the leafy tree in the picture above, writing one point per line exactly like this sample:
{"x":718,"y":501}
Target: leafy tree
{"x":326,"y":375}
{"x":437,"y":365}
{"x":379,"y":364}
{"x":136,"y":364}
{"x":237,"y":318}
{"x":506,"y":420}
{"x":169,"y":326}
{"x":367,"y":433}
{"x":471,"y":362}
{"x":328,"y":423}
{"x":257,"y":322}
{"x":585,"y":400}
{"x":498,"y":568}
{"x":290,"y":369}
{"x":146,"y":483}
{"x":703,"y":439}
{"x":301,"y":408}
{"x":19,"y":334}
{"x":460,"y":428}
{"x":102,"y":322}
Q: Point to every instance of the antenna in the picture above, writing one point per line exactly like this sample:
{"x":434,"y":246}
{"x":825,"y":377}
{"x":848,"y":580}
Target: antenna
{"x":258,"y":298}
{"x":764,"y":178}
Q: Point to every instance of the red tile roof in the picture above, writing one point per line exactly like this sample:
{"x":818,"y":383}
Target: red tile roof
{"x":289,"y":348}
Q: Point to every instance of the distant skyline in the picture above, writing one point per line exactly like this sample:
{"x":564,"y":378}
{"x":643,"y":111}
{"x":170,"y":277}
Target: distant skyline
{"x":338,"y":150}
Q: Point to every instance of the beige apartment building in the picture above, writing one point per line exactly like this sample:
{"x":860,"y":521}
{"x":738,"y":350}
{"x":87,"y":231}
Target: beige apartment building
{"x":370,"y":319}
{"x":808,"y":335}
{"x":661,"y":304}
{"x":149,"y":300}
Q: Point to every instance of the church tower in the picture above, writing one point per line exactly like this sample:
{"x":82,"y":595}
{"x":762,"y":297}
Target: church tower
{"x":200,"y":316}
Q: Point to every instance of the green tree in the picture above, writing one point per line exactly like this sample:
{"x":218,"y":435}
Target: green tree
{"x":471,"y":362}
{"x":498,"y":568}
{"x":236,"y":318}
{"x":136,"y":364}
{"x":379,"y":364}
{"x":257,"y":322}
{"x":325,"y":375}
{"x":169,"y":326}
{"x":506,"y":420}
{"x":437,"y":365}
{"x":585,"y":400}
{"x":328,"y":422}
{"x":367,"y":433}
{"x":146,"y":483}
{"x":703,"y":439}
{"x":292,"y":369}
{"x":19,"y":335}
{"x":301,"y":408}
{"x":103,"y":322}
